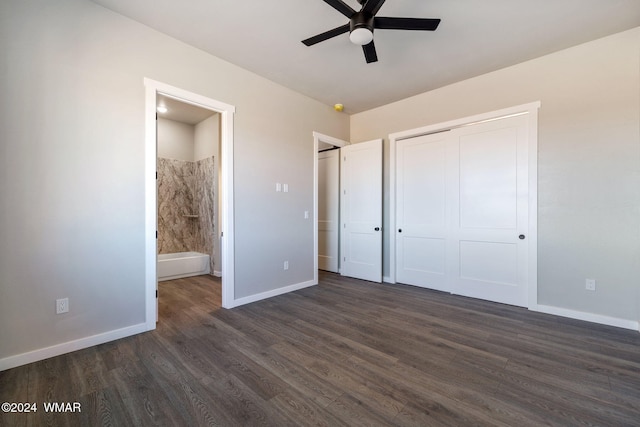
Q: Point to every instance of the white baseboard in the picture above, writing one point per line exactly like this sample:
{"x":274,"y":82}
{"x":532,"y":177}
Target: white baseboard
{"x":589,"y":317}
{"x":217,"y":273}
{"x":68,"y":347}
{"x":273,"y":293}
{"x":387,"y":279}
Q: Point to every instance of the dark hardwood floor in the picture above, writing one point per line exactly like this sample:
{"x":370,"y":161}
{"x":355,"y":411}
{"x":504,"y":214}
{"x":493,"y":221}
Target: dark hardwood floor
{"x":346,"y":352}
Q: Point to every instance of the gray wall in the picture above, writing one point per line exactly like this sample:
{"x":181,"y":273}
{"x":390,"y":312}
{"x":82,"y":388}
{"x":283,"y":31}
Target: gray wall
{"x":588,"y":163}
{"x":72,"y":163}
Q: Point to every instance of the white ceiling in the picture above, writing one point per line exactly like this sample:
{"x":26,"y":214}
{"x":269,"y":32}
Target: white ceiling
{"x":474,"y":37}
{"x":181,"y":111}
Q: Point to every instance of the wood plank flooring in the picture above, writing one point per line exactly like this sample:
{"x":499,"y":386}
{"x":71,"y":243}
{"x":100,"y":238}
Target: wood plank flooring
{"x":343,"y":353}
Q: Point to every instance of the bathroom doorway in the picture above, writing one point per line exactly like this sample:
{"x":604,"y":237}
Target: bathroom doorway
{"x":188,"y":141}
{"x":194,"y":205}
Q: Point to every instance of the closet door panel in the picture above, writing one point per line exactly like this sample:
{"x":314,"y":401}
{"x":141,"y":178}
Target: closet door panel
{"x":421,"y":211}
{"x":490,"y":213}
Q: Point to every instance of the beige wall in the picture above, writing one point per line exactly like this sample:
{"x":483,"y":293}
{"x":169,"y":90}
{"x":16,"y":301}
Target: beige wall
{"x":175,"y":140}
{"x":207,"y":138}
{"x":72,"y":165}
{"x":588,"y":163}
{"x":182,"y":141}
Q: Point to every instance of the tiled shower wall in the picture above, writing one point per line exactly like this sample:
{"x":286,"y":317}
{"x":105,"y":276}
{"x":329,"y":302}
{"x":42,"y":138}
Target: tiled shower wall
{"x":186,"y":189}
{"x":205,"y":197}
{"x":176,"y":231}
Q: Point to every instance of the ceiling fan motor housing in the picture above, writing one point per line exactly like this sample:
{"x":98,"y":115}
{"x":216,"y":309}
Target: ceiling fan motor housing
{"x":361,"y":20}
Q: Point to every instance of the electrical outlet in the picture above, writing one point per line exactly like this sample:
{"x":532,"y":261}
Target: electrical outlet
{"x":306,"y":214}
{"x":286,"y":265}
{"x":590,"y":284}
{"x":62,"y":305}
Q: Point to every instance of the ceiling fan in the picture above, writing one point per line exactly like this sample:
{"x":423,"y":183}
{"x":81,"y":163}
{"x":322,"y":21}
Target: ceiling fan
{"x":362,"y":23}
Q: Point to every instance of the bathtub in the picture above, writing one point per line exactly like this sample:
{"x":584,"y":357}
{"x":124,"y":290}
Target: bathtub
{"x":182,"y":264}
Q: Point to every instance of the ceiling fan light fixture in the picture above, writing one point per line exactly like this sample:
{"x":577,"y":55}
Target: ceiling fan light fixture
{"x":363,"y":22}
{"x":361,"y":36}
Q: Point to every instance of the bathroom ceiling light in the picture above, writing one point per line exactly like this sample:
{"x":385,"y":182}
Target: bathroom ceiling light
{"x":162,"y":109}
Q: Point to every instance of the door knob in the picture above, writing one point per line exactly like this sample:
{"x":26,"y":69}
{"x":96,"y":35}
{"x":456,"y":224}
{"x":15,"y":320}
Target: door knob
{"x":521,"y":237}
{"x":377,"y":228}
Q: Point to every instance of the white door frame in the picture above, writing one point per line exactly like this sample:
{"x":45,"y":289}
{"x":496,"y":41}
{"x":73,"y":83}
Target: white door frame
{"x":317,"y":138}
{"x":152,"y":89}
{"x":531,"y":110}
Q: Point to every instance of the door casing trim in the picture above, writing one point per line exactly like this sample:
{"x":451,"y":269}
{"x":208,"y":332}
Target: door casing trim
{"x":226,"y":111}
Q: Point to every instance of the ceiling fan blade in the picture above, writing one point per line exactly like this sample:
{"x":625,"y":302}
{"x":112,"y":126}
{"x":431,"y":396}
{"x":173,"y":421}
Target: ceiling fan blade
{"x":424,"y":24}
{"x":341,"y":7}
{"x":326,"y":35}
{"x":372,"y":6}
{"x":370,"y":53}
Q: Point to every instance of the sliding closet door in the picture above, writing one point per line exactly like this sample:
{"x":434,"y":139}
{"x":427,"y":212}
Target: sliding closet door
{"x":462,"y":211}
{"x":490,"y":213}
{"x":422,"y":213}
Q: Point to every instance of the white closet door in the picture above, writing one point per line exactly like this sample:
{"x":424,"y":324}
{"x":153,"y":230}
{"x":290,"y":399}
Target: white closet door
{"x":328,"y":209}
{"x":361,"y":210}
{"x":490,"y":213}
{"x":462,"y":211}
{"x":422,"y":214}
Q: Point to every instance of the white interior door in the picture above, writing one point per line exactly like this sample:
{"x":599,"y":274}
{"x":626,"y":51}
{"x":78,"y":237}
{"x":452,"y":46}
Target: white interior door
{"x":422,"y":211}
{"x":490,"y":214}
{"x":361,"y":210}
{"x":462,"y":211}
{"x":328,"y":209}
